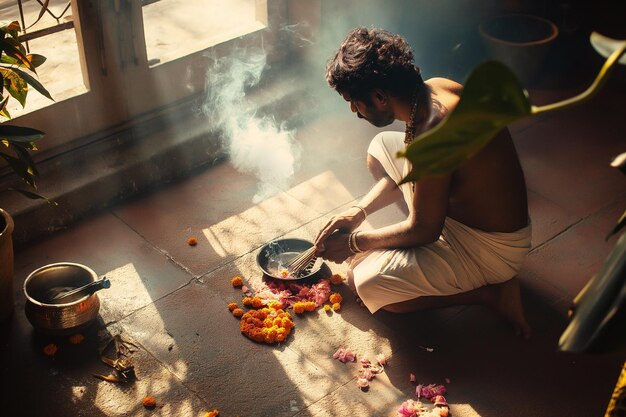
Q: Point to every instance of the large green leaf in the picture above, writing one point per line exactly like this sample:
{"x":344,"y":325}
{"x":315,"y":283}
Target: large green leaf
{"x":7,"y":45}
{"x":20,"y":133}
{"x":21,"y":168}
{"x":491,"y":99}
{"x":33,"y":195}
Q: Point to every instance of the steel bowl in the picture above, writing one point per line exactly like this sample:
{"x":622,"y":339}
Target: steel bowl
{"x":274,"y":255}
{"x":72,"y":314}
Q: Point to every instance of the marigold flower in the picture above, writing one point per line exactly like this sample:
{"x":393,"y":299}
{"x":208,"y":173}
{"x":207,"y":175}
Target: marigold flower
{"x":237,"y":312}
{"x":298,"y":307}
{"x":213,"y":413}
{"x":335,"y":298}
{"x":76,"y":339}
{"x":237,"y":281}
{"x":336,"y":307}
{"x":336,"y":279}
{"x":192,"y":241}
{"x":50,"y":349}
{"x":327,"y":307}
{"x":276,"y":305}
{"x":266,"y":325}
{"x":247,"y":301}
{"x":257,"y":302}
{"x":232,"y":306}
{"x":310,"y":306}
{"x":149,"y":402}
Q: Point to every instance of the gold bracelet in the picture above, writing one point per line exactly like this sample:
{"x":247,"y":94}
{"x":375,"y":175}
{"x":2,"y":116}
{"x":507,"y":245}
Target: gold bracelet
{"x":353,"y":236}
{"x":362,"y":209}
{"x":350,"y":244}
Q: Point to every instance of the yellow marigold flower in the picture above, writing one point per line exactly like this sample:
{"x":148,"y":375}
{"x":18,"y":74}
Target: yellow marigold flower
{"x":76,"y":339}
{"x":310,"y":306}
{"x":336,"y":279}
{"x":232,"y":306}
{"x":149,"y":402}
{"x":237,"y":281}
{"x":265,"y":330}
{"x":298,"y":307}
{"x":336,"y":307}
{"x":275,"y":305}
{"x":213,"y":413}
{"x":50,"y":349}
{"x":327,"y":307}
{"x":237,"y":312}
{"x":335,"y":298}
{"x":247,"y":301}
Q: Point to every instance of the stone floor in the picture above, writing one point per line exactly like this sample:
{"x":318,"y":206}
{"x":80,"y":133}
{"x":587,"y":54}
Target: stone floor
{"x":170,"y":298}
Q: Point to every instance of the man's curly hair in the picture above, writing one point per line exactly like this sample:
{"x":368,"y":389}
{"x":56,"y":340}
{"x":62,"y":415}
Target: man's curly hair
{"x":370,"y":59}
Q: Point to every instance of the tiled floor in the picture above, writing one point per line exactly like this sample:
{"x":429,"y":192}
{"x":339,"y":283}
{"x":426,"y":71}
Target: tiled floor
{"x":170,"y":298}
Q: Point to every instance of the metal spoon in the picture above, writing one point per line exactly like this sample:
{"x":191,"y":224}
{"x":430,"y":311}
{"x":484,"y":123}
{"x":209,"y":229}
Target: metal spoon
{"x":88,"y":289}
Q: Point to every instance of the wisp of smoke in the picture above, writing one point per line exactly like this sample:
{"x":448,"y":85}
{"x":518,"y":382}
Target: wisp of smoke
{"x":256,"y":145}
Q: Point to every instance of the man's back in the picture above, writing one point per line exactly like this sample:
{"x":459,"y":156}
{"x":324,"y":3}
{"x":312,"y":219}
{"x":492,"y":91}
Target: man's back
{"x":488,"y":191}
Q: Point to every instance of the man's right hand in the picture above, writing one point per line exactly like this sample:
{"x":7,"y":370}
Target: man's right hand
{"x":344,"y":222}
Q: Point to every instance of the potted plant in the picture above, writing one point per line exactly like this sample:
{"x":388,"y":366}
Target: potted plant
{"x":17,"y":72}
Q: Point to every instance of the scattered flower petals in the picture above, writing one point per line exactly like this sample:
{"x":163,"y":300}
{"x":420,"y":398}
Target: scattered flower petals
{"x":244,"y":288}
{"x":362,"y":383}
{"x":447,"y":380}
{"x":428,"y":391}
{"x":76,"y":339}
{"x":336,"y":279}
{"x":192,"y":241}
{"x":213,"y":413}
{"x":365,"y":362}
{"x":412,"y":378}
{"x":410,"y":408}
{"x":344,"y":355}
{"x":439,"y":400}
{"x":381,"y":359}
{"x":149,"y":402}
{"x":440,"y":390}
{"x":50,"y":349}
{"x":418,"y":390}
{"x":288,"y":293}
{"x":367,"y":373}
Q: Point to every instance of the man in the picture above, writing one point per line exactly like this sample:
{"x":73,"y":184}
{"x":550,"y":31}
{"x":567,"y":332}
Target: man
{"x":466,"y":233}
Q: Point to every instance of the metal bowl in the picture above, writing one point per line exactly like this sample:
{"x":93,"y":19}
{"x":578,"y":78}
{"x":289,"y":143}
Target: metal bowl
{"x":72,"y":314}
{"x":273,"y":256}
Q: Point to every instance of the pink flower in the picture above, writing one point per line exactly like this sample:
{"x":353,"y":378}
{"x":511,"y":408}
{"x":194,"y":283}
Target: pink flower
{"x":344,"y":355}
{"x":367,"y":373}
{"x":365,"y":362}
{"x":447,"y":380}
{"x":428,"y":391}
{"x":381,"y":359}
{"x":362,"y":383}
{"x":410,"y":408}
{"x":418,"y":390}
{"x":439,"y":390}
{"x":412,"y":379}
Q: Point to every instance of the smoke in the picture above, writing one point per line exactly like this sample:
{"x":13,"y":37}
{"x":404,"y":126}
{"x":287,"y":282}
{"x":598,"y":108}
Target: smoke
{"x":256,"y":145}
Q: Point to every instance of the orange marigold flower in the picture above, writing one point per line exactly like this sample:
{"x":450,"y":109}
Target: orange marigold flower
{"x":213,"y":413}
{"x":232,"y":306}
{"x":192,"y":241}
{"x":257,"y":302}
{"x":247,"y":301}
{"x":336,"y":279}
{"x":276,"y":305}
{"x":298,"y":307}
{"x":76,"y":339}
{"x":237,"y":312}
{"x":336,"y":306}
{"x":260,"y":326}
{"x":50,"y":349}
{"x":327,"y":307}
{"x":310,"y":306}
{"x":149,"y":402}
{"x":335,"y":298}
{"x":237,"y":281}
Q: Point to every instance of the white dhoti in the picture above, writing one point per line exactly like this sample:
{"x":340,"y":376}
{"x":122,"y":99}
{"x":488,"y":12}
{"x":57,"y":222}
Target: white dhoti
{"x":461,"y":260}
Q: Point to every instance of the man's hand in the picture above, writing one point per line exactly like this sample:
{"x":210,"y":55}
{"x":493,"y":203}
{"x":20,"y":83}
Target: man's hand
{"x":336,"y":248}
{"x":344,"y":222}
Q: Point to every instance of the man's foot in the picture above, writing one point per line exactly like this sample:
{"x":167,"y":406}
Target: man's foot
{"x":508,"y":302}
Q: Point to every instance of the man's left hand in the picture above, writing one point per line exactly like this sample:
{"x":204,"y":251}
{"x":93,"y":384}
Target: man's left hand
{"x":336,"y":248}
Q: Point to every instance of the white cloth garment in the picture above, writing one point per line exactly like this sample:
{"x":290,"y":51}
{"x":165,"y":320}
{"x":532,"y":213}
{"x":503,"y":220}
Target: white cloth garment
{"x":461,"y":260}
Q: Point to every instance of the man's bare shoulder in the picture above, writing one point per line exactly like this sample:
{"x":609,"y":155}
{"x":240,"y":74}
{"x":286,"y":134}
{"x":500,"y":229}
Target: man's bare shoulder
{"x":445,"y":84}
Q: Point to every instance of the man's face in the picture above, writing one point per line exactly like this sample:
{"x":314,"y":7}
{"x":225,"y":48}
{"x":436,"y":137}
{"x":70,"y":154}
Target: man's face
{"x":372,"y":112}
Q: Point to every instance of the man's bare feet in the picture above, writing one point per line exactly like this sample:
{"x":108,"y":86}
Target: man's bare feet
{"x":508,"y":302}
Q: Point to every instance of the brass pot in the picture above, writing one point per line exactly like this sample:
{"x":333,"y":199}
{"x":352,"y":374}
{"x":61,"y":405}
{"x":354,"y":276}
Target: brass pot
{"x":66,"y":318}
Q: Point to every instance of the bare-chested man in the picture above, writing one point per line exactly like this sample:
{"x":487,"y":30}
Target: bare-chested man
{"x":466,"y":233}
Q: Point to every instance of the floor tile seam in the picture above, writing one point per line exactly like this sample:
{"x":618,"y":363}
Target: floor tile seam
{"x":325,"y":396}
{"x":556,"y":236}
{"x":157,"y":248}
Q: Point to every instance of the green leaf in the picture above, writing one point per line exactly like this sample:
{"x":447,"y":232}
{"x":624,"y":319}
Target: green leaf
{"x":15,"y":52}
{"x":15,"y":85}
{"x":34,"y":196}
{"x":22,"y":153}
{"x":491,"y":99}
{"x":33,"y":82}
{"x":21,"y":168}
{"x":19,"y":133}
{"x":36,"y":59}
